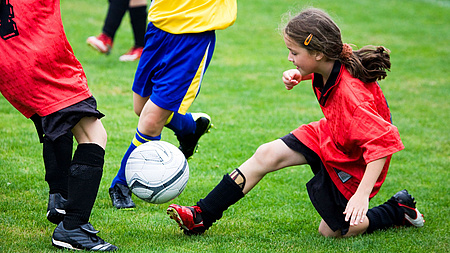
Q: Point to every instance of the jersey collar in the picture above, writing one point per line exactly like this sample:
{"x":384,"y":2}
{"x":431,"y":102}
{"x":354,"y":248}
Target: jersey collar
{"x":323,"y":91}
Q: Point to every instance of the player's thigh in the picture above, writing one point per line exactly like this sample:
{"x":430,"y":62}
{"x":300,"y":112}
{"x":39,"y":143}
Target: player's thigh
{"x":277,"y":155}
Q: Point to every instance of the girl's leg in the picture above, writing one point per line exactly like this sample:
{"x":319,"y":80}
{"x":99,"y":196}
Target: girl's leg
{"x":326,"y":231}
{"x":267,"y":158}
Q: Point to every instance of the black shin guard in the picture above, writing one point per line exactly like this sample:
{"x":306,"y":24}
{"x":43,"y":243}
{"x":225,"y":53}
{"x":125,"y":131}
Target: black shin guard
{"x":384,"y":216}
{"x":84,"y":180}
{"x":225,"y":194}
{"x":57,"y":156}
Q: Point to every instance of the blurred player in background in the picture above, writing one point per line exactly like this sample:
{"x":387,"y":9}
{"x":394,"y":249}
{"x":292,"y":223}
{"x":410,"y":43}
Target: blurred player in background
{"x":116,"y":11}
{"x":41,"y":77}
{"x":180,"y":41}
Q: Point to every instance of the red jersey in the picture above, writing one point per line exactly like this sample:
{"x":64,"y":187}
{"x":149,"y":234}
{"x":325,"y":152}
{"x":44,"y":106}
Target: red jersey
{"x":356,"y":129}
{"x":39,"y":73}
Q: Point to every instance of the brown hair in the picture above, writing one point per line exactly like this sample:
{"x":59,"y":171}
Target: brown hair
{"x":314,"y":30}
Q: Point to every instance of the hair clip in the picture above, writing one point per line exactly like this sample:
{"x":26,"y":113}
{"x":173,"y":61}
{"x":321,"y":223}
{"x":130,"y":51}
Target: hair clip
{"x":308,"y":39}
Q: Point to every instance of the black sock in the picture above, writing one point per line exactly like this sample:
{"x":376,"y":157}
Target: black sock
{"x":57,"y":156}
{"x":138,"y":18}
{"x":225,"y":194}
{"x":384,"y":216}
{"x":116,"y":11}
{"x":84,"y":180}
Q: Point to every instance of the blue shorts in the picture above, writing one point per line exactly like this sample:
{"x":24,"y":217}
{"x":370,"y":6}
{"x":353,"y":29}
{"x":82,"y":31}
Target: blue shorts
{"x":171,"y":67}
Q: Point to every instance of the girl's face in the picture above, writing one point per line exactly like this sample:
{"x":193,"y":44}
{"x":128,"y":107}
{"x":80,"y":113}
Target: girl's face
{"x":305,"y":61}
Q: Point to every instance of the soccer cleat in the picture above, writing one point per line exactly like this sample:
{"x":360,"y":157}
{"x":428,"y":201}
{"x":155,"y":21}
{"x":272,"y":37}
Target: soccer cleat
{"x":121,"y":196}
{"x":188,"y":218}
{"x":412,"y":215}
{"x":102,"y":43}
{"x":82,"y":238}
{"x":56,"y":208}
{"x":189,"y":142}
{"x":132,"y":55}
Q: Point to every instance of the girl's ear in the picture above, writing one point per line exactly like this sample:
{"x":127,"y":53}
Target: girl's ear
{"x":319,"y":55}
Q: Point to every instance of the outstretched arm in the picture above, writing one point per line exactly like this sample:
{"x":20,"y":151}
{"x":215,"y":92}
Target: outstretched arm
{"x":293,"y":77}
{"x":358,"y":204}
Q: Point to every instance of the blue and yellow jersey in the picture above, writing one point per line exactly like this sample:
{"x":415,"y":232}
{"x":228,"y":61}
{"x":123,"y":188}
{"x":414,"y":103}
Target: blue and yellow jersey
{"x":192,"y":16}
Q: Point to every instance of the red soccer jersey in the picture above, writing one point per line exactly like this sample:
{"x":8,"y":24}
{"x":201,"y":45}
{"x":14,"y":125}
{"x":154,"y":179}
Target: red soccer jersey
{"x":39,"y":73}
{"x":356,"y":129}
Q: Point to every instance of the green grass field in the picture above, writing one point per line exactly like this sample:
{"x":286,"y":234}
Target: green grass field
{"x":243,"y":93}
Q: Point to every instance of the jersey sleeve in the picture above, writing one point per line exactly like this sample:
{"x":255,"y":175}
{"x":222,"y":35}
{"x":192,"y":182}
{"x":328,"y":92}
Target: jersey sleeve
{"x":376,"y":137}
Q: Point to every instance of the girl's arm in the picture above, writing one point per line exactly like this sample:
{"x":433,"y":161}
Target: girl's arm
{"x":293,"y":77}
{"x":358,"y":204}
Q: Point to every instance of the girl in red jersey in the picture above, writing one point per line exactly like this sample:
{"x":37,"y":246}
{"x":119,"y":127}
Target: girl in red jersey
{"x":348,"y":150}
{"x":41,"y":77}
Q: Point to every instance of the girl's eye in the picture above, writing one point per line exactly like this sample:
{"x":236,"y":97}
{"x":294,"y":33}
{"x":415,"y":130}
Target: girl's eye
{"x":293,"y":53}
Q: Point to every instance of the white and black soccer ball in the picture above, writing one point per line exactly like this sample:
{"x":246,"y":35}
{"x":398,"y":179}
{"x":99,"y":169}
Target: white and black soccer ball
{"x":157,"y":172}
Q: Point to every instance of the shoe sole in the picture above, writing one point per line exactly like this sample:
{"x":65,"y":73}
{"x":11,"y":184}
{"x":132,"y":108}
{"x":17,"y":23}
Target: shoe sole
{"x":63,"y":245}
{"x":173,"y":214}
{"x":417,"y":222}
{"x":94,"y":46}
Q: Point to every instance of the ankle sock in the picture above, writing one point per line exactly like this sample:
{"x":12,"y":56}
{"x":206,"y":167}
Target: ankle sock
{"x":182,"y":124}
{"x":139,"y":139}
{"x":384,"y":216}
{"x":225,"y":194}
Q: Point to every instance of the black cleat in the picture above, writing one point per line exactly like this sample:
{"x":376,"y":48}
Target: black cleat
{"x":412,"y":216}
{"x":56,"y":208}
{"x":121,"y":196}
{"x":82,"y":238}
{"x":188,"y":143}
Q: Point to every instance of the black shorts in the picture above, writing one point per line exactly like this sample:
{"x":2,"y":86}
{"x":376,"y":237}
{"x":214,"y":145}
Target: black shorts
{"x":325,"y":196}
{"x":59,"y":123}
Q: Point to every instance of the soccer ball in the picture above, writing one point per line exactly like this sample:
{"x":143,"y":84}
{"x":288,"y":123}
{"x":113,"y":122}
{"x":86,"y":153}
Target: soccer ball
{"x":157,"y":172}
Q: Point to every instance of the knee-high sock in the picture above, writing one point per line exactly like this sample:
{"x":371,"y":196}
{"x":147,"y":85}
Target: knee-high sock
{"x":225,"y":194}
{"x":138,"y":140}
{"x":57,"y":156}
{"x":116,"y":11}
{"x":384,"y":216}
{"x":85,"y":174}
{"x":182,"y":124}
{"x":138,"y":19}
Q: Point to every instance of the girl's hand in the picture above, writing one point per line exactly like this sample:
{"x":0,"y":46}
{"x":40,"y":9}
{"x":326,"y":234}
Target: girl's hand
{"x":356,"y":209}
{"x":291,"y":78}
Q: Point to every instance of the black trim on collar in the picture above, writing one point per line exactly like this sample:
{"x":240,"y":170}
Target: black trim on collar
{"x":331,"y":82}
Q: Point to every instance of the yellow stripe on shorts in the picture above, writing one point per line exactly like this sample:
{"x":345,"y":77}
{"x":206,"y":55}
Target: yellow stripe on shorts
{"x":195,"y":85}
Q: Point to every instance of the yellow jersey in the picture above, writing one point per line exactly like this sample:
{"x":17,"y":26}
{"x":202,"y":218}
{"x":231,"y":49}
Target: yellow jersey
{"x":192,"y":16}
